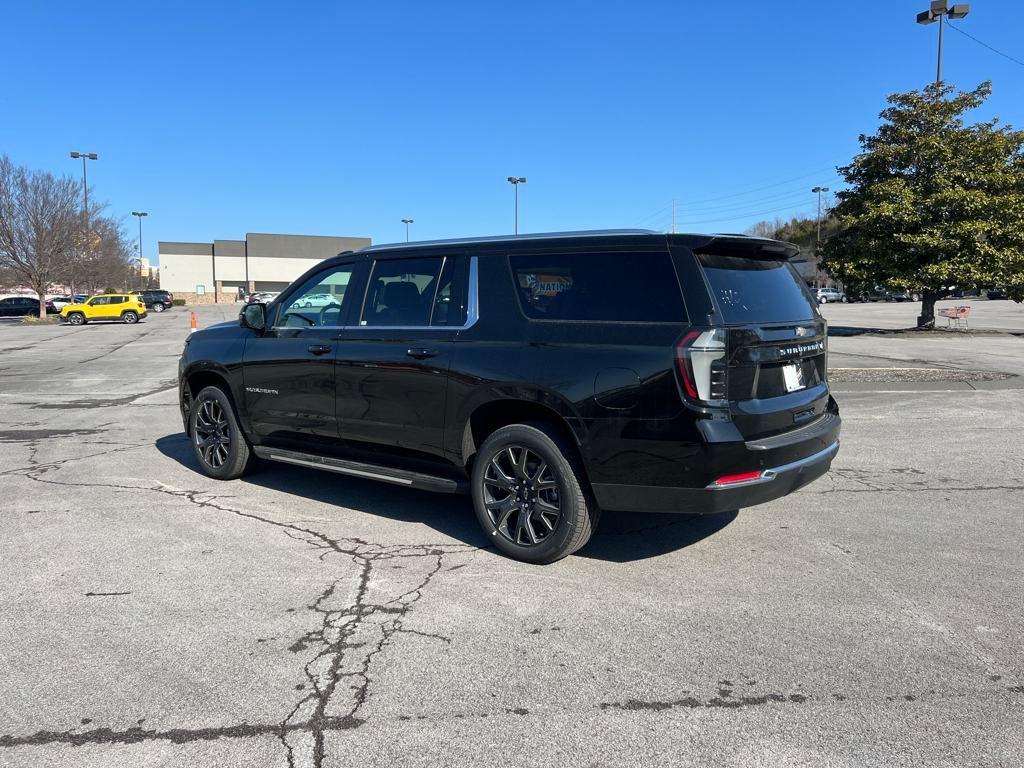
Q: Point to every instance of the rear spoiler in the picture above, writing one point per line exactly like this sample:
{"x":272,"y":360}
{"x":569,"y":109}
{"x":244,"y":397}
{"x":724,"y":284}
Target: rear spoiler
{"x":750,"y":247}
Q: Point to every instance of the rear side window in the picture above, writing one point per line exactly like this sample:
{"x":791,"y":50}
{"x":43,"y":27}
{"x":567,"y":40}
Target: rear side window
{"x":612,"y":287}
{"x":756,"y":290}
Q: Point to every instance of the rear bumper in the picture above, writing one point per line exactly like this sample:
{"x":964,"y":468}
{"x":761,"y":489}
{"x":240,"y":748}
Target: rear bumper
{"x":773,"y":483}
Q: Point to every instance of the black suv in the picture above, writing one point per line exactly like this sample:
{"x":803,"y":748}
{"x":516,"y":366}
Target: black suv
{"x":550,"y":376}
{"x":156,"y":299}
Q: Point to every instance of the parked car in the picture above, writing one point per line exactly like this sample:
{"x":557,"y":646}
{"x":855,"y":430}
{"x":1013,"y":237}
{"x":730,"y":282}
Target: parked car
{"x":880,"y":293}
{"x":125,"y":308}
{"x":22,"y":306}
{"x":549,"y":376}
{"x":262,"y":296}
{"x":156,"y":299}
{"x":321,"y":300}
{"x":995,"y":294}
{"x":60,"y":301}
{"x":830,"y":295}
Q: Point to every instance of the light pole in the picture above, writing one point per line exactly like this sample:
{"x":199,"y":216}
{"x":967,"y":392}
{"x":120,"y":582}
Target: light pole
{"x":817,"y":243}
{"x":515,"y":181}
{"x":407,"y":222}
{"x":140,"y":214}
{"x":939,"y":10}
{"x":85,"y":181}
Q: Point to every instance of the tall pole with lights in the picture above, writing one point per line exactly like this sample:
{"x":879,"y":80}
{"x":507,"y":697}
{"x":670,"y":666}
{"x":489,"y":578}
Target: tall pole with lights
{"x":818,"y":191}
{"x":139,"y":215}
{"x":515,"y":181}
{"x":938,"y":11}
{"x":85,"y":180}
{"x":407,"y":222}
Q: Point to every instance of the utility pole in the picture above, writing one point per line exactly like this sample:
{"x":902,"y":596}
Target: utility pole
{"x":673,"y":217}
{"x":407,"y":222}
{"x":515,"y":181}
{"x":939,"y":10}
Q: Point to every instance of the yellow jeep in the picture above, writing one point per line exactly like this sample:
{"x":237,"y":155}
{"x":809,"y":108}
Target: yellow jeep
{"x":107,"y":306}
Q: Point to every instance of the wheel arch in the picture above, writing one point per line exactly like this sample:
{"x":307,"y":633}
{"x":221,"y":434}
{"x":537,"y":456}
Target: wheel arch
{"x":200,"y":376}
{"x":489,"y":415}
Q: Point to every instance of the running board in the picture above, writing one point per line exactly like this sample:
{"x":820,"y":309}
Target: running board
{"x":359,"y":469}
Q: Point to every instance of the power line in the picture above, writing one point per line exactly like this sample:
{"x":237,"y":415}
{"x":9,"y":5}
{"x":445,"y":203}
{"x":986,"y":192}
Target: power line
{"x":766,"y":186}
{"x":741,"y":216}
{"x":986,"y":45}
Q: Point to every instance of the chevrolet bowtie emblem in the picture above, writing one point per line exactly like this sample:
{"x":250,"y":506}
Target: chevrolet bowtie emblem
{"x":801,"y":331}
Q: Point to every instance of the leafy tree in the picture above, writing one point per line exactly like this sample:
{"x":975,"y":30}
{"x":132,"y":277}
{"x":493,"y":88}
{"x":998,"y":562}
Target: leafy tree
{"x":933,"y":205}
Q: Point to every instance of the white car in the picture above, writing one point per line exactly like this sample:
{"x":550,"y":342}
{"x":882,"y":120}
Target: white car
{"x":826,"y":295}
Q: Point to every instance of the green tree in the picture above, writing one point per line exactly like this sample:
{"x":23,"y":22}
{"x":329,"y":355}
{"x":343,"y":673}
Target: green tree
{"x":933,"y":204}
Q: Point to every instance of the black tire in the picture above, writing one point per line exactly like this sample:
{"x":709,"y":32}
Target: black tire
{"x":515,"y":508}
{"x":130,"y":317}
{"x":216,"y":439}
{"x":158,"y":307}
{"x":76,"y":318}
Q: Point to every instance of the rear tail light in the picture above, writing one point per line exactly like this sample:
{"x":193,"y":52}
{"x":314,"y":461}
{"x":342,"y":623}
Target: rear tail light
{"x":702,"y":366}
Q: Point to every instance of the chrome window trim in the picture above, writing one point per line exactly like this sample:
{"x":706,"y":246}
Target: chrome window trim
{"x":472,"y":312}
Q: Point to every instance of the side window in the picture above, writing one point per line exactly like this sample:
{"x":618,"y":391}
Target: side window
{"x":401,"y":292}
{"x":618,"y":287}
{"x":117,"y":299}
{"x":99,"y":301}
{"x":450,"y":299}
{"x":318,"y":301}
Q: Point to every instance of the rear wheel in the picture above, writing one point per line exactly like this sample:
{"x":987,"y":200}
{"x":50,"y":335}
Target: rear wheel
{"x":158,"y":307}
{"x":130,"y":317}
{"x":530,"y":494}
{"x":216,"y":438}
{"x":76,"y":318}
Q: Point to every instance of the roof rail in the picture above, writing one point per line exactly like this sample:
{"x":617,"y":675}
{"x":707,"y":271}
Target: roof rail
{"x":514,"y":238}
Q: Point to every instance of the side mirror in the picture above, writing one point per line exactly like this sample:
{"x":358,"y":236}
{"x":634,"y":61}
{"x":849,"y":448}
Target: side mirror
{"x":254,"y":316}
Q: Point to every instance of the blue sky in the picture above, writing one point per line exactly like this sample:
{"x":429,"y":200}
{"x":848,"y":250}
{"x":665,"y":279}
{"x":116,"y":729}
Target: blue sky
{"x":342,"y":118}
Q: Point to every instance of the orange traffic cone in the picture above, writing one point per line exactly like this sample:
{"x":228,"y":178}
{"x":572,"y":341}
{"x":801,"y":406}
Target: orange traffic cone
{"x":192,"y":322}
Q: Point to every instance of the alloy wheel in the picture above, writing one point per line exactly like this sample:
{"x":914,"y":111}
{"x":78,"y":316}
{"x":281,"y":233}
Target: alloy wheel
{"x":212,"y":434}
{"x":521,"y":496}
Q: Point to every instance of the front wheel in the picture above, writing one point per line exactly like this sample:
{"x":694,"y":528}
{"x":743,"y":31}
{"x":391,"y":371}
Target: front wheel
{"x":76,"y":318}
{"x":217,"y":440}
{"x":130,"y":317}
{"x":530,"y":494}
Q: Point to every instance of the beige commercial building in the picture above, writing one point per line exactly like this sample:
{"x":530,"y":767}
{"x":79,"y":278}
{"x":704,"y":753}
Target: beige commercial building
{"x":221,"y":271}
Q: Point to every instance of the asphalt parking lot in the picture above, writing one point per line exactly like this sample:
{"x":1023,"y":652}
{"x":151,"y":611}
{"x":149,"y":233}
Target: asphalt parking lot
{"x":152,"y":616}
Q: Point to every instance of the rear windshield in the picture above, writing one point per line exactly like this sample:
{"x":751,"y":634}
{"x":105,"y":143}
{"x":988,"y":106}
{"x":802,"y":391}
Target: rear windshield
{"x":612,"y":287}
{"x":756,"y":290}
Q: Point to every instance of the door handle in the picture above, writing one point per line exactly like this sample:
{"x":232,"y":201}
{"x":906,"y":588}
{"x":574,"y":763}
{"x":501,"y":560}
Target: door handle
{"x":319,"y":349}
{"x":421,"y":353}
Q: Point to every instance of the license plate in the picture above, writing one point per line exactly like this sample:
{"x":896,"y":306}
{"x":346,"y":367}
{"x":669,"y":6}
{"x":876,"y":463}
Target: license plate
{"x":793,"y":377}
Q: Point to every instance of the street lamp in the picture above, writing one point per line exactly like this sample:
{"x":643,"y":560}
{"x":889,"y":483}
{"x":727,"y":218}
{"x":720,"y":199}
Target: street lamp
{"x":140,"y":214}
{"x":85,"y":182}
{"x":939,"y":10}
{"x":819,"y":190}
{"x":515,"y":181}
{"x":407,"y":222}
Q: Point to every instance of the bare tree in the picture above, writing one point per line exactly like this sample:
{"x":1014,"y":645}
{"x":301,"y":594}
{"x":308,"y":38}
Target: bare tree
{"x":40,"y":225}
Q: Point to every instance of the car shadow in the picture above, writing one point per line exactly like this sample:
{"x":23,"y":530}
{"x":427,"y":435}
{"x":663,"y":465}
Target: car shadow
{"x":620,"y":537}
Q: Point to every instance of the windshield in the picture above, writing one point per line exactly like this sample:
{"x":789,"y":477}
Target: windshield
{"x":756,"y":290}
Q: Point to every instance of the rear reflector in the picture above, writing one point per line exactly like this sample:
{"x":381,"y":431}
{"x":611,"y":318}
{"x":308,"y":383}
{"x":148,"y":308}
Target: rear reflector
{"x":742,"y":477}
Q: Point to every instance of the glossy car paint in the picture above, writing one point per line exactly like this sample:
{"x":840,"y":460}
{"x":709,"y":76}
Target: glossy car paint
{"x":613,"y":387}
